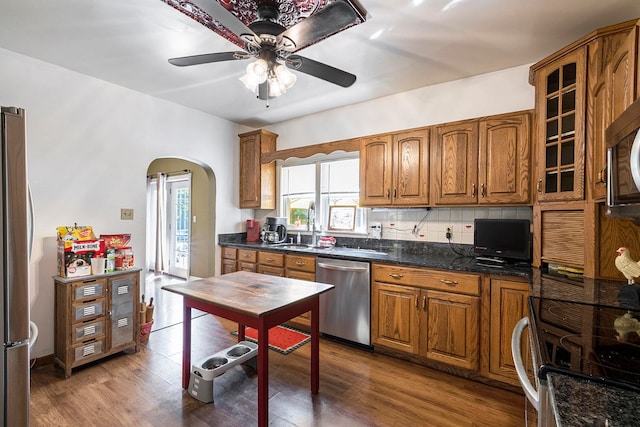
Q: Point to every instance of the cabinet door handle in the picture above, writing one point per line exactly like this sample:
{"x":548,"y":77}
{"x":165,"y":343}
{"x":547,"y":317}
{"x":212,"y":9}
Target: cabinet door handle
{"x":395,"y":193}
{"x":449,"y":282}
{"x":482,"y":192}
{"x":602,"y":176}
{"x":388,"y":193}
{"x":539,"y":186}
{"x":417,"y":298}
{"x":473,"y":190}
{"x":424,"y":303}
{"x":396,"y":276}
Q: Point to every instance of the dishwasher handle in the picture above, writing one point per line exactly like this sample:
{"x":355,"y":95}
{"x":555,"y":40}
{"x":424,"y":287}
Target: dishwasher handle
{"x":340,"y":267}
{"x":516,"y":352}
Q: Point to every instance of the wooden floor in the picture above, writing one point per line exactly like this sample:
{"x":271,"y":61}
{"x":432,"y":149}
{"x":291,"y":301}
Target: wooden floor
{"x":357,"y":388}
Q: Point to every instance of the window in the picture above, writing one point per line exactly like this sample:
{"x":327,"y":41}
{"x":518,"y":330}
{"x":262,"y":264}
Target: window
{"x":325,"y":183}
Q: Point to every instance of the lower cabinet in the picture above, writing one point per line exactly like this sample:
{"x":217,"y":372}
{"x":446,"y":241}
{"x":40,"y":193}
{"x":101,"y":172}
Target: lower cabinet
{"x":95,"y":316}
{"x":302,"y":267}
{"x":229,"y":260}
{"x":508,"y":306}
{"x":434,"y":314}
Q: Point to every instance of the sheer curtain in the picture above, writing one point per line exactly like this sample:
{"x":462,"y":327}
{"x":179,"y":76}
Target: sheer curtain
{"x":157,"y":224}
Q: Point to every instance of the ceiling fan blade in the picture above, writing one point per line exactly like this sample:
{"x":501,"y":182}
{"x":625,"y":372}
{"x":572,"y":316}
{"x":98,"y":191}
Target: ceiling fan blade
{"x":208,"y":57}
{"x":224,"y":17}
{"x":320,"y":70}
{"x":331,"y":19}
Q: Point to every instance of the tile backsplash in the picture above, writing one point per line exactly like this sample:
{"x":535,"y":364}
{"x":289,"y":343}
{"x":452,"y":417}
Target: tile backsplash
{"x":431,"y":225}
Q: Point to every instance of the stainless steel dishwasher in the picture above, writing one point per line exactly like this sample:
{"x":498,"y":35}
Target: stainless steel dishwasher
{"x":345,"y":312}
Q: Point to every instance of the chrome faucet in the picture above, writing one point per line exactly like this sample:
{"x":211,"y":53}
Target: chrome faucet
{"x":311,"y":222}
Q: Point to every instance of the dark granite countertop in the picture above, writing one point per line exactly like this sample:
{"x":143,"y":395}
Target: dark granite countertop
{"x":430,"y":255}
{"x":578,"y":402}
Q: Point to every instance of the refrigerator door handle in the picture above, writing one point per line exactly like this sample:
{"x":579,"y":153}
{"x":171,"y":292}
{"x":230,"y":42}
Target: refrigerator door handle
{"x":516,"y":352}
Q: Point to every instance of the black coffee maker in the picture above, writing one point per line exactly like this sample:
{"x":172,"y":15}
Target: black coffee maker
{"x":274,"y":230}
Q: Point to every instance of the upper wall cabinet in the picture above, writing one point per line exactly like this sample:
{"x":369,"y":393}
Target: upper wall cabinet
{"x":483,"y":161}
{"x":394,"y":169}
{"x":560,"y":105}
{"x":257,"y":180}
{"x":612,"y":75}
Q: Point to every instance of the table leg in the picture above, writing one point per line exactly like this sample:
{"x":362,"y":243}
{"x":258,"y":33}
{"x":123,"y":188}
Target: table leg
{"x":315,"y":345}
{"x":263,"y":375}
{"x":240,"y":332}
{"x":186,"y":345}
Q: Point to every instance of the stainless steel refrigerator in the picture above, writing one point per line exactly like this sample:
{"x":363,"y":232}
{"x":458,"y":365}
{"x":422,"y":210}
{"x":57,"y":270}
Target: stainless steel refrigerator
{"x":14,"y":259}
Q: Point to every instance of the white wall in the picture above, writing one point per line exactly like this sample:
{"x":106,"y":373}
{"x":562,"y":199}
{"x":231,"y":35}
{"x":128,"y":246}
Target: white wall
{"x":89,"y":146}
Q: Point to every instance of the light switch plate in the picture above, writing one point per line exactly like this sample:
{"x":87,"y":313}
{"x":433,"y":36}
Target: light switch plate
{"x":126,"y":214}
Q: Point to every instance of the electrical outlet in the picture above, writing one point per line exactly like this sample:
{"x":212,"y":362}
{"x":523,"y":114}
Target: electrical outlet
{"x":126,"y":214}
{"x":449,"y":232}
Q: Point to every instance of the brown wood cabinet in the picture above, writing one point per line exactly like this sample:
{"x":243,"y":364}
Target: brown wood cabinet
{"x":257,"y":180}
{"x":95,"y":316}
{"x":229,"y":260}
{"x":454,"y":165}
{"x":560,"y":108}
{"x":508,"y":306}
{"x":302,"y":267}
{"x":394,"y":169}
{"x":482,"y":161}
{"x":247,"y":260}
{"x":580,"y":89}
{"x":432,"y":313}
{"x":271,"y":263}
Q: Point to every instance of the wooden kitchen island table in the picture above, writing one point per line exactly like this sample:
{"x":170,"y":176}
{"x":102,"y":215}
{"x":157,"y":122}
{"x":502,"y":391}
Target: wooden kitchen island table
{"x":261,"y":302}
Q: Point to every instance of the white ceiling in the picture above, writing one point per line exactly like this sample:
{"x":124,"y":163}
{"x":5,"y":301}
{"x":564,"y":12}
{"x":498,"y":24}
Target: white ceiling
{"x":418,"y":43}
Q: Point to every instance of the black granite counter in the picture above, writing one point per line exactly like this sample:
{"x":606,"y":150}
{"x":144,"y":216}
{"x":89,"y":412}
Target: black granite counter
{"x":418,"y":254}
{"x":577,"y":402}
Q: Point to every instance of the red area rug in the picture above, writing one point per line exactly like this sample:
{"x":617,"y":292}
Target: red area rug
{"x":281,"y":338}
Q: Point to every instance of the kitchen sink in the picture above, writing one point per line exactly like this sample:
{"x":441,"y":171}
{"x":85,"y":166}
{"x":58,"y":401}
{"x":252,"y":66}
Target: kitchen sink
{"x":294,"y":246}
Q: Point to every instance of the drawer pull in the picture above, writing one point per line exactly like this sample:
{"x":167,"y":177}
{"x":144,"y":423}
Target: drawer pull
{"x":396,"y":276}
{"x":449,"y":282}
{"x":301,"y":263}
{"x":270,"y":259}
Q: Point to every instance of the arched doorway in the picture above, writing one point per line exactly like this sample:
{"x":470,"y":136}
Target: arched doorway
{"x":201,"y":226}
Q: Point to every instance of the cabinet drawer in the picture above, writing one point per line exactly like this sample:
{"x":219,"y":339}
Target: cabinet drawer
{"x":86,"y":350}
{"x":272,"y":271}
{"x":454,"y":282}
{"x":301,"y":263}
{"x":247,"y":255}
{"x":88,"y":289}
{"x":88,"y":330}
{"x":271,"y":258}
{"x":425,"y":278}
{"x":229,"y":253}
{"x":88,"y":310}
{"x":301,"y":275}
{"x":247,"y":266}
{"x":406,"y":276}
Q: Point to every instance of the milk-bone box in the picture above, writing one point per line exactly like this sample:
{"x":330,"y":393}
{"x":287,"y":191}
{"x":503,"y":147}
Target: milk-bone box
{"x":76,"y":246}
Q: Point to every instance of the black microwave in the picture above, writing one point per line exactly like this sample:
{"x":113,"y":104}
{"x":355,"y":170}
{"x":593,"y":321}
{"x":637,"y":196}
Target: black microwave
{"x":623,"y":164}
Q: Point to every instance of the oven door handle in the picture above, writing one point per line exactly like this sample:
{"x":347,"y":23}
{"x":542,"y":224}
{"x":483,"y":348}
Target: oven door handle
{"x":516,"y":352}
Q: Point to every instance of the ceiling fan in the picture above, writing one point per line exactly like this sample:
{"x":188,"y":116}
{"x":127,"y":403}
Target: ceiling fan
{"x":271,"y":43}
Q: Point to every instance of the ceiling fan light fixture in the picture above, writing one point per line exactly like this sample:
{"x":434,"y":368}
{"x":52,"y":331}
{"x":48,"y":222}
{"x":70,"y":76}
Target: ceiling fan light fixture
{"x":258,"y":70}
{"x":284,"y":76}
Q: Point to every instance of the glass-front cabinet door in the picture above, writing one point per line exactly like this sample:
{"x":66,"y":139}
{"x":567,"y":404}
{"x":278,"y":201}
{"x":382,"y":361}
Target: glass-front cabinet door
{"x":560,"y":99}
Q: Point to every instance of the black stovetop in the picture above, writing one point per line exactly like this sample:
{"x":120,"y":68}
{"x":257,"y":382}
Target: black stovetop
{"x":595,"y":341}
